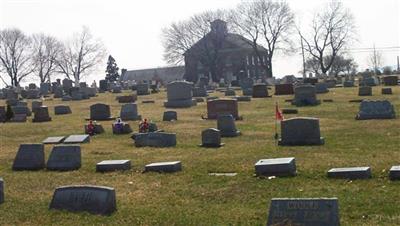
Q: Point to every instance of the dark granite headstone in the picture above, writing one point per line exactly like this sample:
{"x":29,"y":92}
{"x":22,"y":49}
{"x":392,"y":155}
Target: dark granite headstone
{"x":93,"y":199}
{"x":276,"y":167}
{"x":130,"y":112}
{"x":391,"y":80}
{"x":350,"y":173}
{"x":300,"y":131}
{"x":166,"y":167}
{"x":226,"y":125}
{"x":179,"y":95}
{"x":387,"y":91}
{"x":75,"y":139}
{"x":100,"y":112}
{"x":170,"y":116}
{"x":394,"y":173}
{"x":127,"y":99}
{"x":19,"y":118}
{"x":113,"y":165}
{"x":142,"y":89}
{"x":36,"y":104}
{"x":155,"y":139}
{"x":65,"y":158}
{"x":260,"y":91}
{"x":284,"y":89}
{"x":365,"y":91}
{"x":376,"y":110}
{"x":303,"y":211}
{"x":211,"y":138}
{"x":41,"y":114}
{"x":222,"y":107}
{"x":21,"y":110}
{"x":62,"y":110}
{"x":305,"y":95}
{"x":29,"y":157}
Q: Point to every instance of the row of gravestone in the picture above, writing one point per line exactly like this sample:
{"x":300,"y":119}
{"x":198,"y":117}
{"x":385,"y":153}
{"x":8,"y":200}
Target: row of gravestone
{"x":41,"y":113}
{"x":284,"y":167}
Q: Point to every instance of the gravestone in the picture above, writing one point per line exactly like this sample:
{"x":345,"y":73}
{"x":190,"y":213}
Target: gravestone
{"x":304,"y":211}
{"x":364,"y":91}
{"x":125,"y":128}
{"x":222,"y":107}
{"x":179,"y":94}
{"x":200,"y":92}
{"x":45,"y":88}
{"x":76,"y":93}
{"x":93,"y":199}
{"x":321,"y":87}
{"x":311,"y":81}
{"x":142,"y":89}
{"x":170,"y":115}
{"x":129,"y":112}
{"x":64,"y":158}
{"x":33,"y":94}
{"x":348,"y":83}
{"x":394,"y":173}
{"x":75,"y":139}
{"x":284,"y":89}
{"x":276,"y":167}
{"x":41,"y":114}
{"x":36,"y":104}
{"x":289,"y":111}
{"x":350,"y":173}
{"x":58,"y":92}
{"x":113,"y":165}
{"x":20,"y":109}
{"x":117,"y":89}
{"x":18,"y":118}
{"x":66,"y":98}
{"x":1,"y":190}
{"x":53,"y":140}
{"x":103,"y":85}
{"x":67,"y":85}
{"x":230,"y":92}
{"x":32,"y":86}
{"x":300,"y":131}
{"x":165,"y":167}
{"x":155,"y":139}
{"x":226,"y":125}
{"x":247,"y":86}
{"x":387,"y":91}
{"x":211,"y":137}
{"x":380,"y":109}
{"x":29,"y":157}
{"x":62,"y":110}
{"x":100,"y":112}
{"x":243,"y":98}
{"x":391,"y":80}
{"x":305,"y":95}
{"x":127,"y":99}
{"x":260,"y":91}
{"x":2,"y":113}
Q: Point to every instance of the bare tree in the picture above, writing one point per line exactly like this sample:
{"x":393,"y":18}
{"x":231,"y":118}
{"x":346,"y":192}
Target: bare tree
{"x":15,"y":55}
{"x":375,"y":60}
{"x":331,"y":30}
{"x":180,"y":36}
{"x":46,"y":51}
{"x":80,"y":55}
{"x":267,"y":23}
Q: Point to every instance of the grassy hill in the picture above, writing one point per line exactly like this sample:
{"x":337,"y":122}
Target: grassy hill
{"x":192,"y":197}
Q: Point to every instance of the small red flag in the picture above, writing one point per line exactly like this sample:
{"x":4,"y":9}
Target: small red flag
{"x":278,"y":113}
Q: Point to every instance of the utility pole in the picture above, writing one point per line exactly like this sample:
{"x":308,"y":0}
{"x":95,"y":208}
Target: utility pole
{"x":304,"y":60}
{"x":375,"y":67}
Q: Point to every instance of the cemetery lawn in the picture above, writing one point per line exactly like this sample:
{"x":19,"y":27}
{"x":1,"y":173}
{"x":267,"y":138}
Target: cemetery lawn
{"x":192,"y":197}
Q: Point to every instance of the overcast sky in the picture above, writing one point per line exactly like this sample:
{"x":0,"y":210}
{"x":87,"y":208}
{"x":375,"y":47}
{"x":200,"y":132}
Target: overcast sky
{"x":131,"y":30}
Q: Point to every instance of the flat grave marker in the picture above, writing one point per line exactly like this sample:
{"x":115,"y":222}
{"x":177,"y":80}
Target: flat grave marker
{"x":166,"y":167}
{"x":350,"y":173}
{"x":75,"y":139}
{"x":276,"y":167}
{"x":113,"y":165}
{"x":53,"y":140}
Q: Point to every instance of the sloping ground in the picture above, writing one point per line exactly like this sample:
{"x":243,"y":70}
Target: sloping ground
{"x":192,"y":197}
